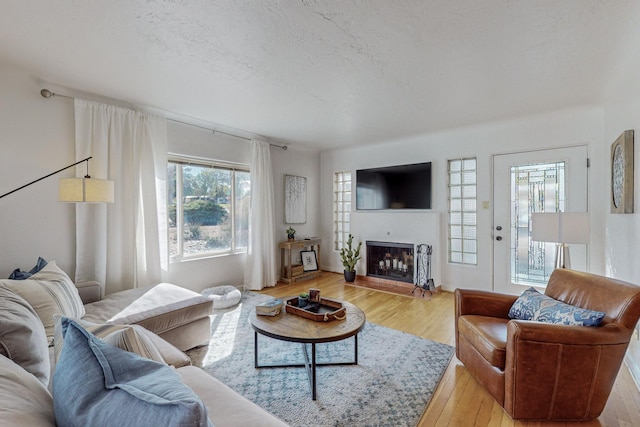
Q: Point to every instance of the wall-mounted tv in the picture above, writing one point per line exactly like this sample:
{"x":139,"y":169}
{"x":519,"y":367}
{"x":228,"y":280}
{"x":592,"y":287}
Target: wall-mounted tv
{"x":394,"y":187}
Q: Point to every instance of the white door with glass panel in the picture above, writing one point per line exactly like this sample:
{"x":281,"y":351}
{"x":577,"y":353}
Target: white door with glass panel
{"x":524,"y":183}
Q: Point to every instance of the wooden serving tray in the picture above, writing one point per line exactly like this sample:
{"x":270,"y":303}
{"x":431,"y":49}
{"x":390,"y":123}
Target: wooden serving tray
{"x":329,"y":310}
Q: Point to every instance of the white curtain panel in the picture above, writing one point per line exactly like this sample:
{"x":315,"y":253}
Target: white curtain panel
{"x":260,"y":268}
{"x":124,"y":244}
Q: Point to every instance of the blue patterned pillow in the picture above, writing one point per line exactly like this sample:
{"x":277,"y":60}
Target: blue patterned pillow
{"x":97,"y":384}
{"x":532,"y":305}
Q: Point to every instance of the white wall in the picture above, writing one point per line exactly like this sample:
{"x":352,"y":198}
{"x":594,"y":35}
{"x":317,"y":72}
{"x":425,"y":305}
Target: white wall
{"x":622,"y":112}
{"x":37,"y":137}
{"x":556,"y":129}
{"x":298,"y":162}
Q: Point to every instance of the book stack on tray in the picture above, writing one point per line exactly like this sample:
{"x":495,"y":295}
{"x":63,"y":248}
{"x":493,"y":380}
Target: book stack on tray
{"x":271,"y":307}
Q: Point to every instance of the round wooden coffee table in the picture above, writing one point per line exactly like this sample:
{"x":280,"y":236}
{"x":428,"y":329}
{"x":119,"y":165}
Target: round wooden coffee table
{"x":294,"y":328}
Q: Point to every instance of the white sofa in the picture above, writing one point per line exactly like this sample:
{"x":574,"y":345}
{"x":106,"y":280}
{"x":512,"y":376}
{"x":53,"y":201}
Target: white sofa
{"x":27,"y":362}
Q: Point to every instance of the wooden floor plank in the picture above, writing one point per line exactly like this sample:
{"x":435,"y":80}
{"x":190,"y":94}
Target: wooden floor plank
{"x":459,"y":399}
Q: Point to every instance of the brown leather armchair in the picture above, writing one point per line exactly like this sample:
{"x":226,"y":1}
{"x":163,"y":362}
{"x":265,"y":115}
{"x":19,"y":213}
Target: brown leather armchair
{"x":547,"y":371}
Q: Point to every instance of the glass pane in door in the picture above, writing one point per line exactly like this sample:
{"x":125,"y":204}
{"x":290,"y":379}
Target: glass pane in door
{"x":534,"y":188}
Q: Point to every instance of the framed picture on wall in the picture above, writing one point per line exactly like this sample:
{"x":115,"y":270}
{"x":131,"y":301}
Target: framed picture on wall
{"x":309,"y":260}
{"x":295,"y":199}
{"x":622,"y":173}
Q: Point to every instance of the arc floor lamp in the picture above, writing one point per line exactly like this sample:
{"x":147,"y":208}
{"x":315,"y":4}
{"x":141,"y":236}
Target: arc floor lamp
{"x":78,"y":190}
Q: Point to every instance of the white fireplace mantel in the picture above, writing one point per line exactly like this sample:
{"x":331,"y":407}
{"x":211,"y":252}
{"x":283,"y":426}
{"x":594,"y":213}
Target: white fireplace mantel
{"x":415,"y":227}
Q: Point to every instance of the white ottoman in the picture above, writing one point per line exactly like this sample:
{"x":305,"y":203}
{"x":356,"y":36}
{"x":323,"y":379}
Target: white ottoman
{"x":224,"y":296}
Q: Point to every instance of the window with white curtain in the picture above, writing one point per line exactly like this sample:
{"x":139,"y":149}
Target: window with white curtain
{"x":462,"y":227}
{"x":341,"y":209}
{"x":208,"y":208}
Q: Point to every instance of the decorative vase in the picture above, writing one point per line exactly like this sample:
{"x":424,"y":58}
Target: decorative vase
{"x":349,"y":276}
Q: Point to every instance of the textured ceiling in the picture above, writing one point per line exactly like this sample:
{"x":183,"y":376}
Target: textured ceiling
{"x":326,"y":73}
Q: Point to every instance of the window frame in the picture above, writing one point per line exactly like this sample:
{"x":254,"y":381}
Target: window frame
{"x":181,"y":160}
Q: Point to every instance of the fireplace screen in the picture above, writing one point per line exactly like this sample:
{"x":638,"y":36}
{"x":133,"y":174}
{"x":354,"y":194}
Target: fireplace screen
{"x":388,"y":260}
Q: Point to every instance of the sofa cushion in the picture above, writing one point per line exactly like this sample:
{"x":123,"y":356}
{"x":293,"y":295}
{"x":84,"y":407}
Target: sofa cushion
{"x":159,"y":308}
{"x":133,"y":338}
{"x":488,"y":335}
{"x":226,"y":407}
{"x":125,"y":337}
{"x":50,"y":291}
{"x":130,"y":339}
{"x":22,"y":336}
{"x":98,"y":384}
{"x":25,"y":400}
{"x":532,"y":305}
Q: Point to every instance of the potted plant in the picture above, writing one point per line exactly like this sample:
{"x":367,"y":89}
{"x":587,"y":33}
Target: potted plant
{"x":349,"y":259}
{"x":303,"y":299}
{"x":291,"y":233}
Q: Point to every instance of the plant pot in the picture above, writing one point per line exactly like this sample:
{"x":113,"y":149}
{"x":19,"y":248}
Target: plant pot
{"x":349,"y":276}
{"x":303,"y":302}
{"x":291,"y":237}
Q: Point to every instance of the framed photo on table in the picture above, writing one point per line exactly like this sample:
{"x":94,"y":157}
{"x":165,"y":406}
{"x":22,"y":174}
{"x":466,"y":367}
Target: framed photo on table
{"x":309,"y":260}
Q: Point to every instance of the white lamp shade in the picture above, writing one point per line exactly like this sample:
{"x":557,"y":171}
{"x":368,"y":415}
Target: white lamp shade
{"x":88,"y":190}
{"x":560,"y":227}
{"x":545,"y":227}
{"x":574,"y":227}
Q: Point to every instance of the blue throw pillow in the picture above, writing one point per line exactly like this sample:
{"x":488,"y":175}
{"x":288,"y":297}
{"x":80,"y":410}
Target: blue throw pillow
{"x":532,"y":305}
{"x":98,"y":384}
{"x":21,"y":275}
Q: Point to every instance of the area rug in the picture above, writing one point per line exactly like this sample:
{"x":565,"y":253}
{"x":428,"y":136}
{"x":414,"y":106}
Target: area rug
{"x":392,"y":384}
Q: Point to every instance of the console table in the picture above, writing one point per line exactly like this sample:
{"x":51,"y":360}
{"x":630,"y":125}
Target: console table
{"x":290,"y":273}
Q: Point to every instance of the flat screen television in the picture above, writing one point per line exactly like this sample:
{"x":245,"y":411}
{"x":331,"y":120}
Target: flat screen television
{"x":394,"y":187}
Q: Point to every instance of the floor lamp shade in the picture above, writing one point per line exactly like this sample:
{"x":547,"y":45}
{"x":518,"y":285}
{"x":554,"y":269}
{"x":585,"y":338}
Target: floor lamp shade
{"x":561,"y":228}
{"x":545,"y":227}
{"x":90,"y":190}
{"x":574,"y":227}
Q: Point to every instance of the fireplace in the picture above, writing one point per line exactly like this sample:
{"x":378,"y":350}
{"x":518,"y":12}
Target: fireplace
{"x":389,"y":260}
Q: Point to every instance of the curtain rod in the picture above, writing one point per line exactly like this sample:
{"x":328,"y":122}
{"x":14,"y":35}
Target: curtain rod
{"x":46,"y":93}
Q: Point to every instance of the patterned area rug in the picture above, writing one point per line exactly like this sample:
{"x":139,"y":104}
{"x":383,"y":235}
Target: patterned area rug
{"x":393,"y":382}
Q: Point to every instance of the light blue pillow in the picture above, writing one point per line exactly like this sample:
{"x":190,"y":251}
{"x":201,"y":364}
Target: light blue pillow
{"x":97,"y":384}
{"x":532,"y":305}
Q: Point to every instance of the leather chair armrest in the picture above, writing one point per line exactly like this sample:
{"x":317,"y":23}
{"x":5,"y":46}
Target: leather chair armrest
{"x":89,"y":291}
{"x":548,"y":333}
{"x":483,"y":303}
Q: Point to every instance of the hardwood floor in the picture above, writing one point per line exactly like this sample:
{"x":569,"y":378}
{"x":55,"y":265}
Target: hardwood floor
{"x":459,"y":399}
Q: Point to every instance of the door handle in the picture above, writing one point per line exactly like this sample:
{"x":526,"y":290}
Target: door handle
{"x":499,"y":238}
